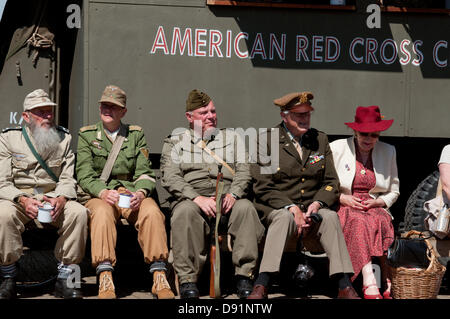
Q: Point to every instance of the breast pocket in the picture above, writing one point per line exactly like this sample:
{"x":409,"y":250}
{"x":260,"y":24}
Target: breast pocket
{"x":99,"y":158}
{"x":55,"y":166}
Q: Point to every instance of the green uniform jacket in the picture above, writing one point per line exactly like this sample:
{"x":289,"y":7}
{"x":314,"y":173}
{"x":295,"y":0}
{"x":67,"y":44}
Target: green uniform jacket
{"x":131,"y":168}
{"x":188,"y":171}
{"x":297,"y":181}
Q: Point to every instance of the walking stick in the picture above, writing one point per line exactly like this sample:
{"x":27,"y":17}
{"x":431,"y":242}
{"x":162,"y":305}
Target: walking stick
{"x":214,"y":254}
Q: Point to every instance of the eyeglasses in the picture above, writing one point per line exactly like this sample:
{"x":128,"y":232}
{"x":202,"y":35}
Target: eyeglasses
{"x":372,"y":135}
{"x":303,"y":115}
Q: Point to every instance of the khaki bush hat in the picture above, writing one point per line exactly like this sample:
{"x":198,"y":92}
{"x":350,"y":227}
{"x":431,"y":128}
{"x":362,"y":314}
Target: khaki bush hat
{"x":115,"y":95}
{"x":196,"y":100}
{"x":37,"y":98}
{"x":295,"y":99}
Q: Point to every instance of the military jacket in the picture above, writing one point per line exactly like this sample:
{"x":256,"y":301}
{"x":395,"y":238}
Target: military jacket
{"x":189,"y":171}
{"x":132,"y":168}
{"x":295,"y":180}
{"x":22,"y":175}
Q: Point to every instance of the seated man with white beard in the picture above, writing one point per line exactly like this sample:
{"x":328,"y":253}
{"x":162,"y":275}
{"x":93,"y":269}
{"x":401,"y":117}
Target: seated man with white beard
{"x":37,"y":166}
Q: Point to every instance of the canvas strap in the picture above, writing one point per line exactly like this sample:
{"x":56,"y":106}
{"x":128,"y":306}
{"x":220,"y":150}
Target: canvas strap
{"x":115,"y":149}
{"x":203,"y":146}
{"x":38,"y":157}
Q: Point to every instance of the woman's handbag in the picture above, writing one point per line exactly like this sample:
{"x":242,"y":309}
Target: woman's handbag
{"x":409,"y":252}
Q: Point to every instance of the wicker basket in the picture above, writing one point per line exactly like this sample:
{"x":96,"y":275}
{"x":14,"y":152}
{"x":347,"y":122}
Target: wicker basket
{"x":412,"y":283}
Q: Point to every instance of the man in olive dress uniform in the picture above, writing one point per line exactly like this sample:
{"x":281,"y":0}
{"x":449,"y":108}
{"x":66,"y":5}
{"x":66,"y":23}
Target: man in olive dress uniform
{"x":304,"y":183}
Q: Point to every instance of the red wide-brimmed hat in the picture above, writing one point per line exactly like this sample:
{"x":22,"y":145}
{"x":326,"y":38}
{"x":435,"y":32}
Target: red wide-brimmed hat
{"x":368,"y":119}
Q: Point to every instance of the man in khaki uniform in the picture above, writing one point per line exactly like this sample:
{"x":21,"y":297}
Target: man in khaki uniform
{"x":129,"y":173}
{"x":25,"y":185}
{"x":304,"y":183}
{"x":189,"y":165}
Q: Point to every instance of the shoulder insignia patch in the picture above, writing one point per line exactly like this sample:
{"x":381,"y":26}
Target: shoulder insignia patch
{"x":16,"y":128}
{"x":329,"y":188}
{"x":63,"y":129}
{"x":88,"y":128}
{"x":135,"y":128}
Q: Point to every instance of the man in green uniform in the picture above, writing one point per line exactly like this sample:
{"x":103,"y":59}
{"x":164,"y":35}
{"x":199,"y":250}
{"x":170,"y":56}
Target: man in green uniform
{"x":113,"y":160}
{"x":304,"y":183}
{"x":189,"y":164}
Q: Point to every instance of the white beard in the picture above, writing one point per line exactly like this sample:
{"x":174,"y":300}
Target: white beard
{"x":47,"y":140}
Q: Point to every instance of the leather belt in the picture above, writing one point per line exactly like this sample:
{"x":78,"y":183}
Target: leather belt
{"x":122,"y":177}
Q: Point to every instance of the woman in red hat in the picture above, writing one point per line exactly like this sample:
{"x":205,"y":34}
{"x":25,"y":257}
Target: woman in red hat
{"x":369,"y":185}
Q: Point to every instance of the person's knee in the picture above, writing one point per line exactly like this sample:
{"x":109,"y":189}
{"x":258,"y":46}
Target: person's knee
{"x":149,"y":209}
{"x":100,"y":210}
{"x":79,"y":213}
{"x":330,"y":218}
{"x":243,"y":208}
{"x":184,"y":212}
{"x":284,"y":216}
{"x":6,"y":216}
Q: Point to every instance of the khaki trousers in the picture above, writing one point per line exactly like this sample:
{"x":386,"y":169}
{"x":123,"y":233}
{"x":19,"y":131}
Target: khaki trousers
{"x":326,"y":235}
{"x":72,"y":231}
{"x":148,"y":221}
{"x":191,"y":242}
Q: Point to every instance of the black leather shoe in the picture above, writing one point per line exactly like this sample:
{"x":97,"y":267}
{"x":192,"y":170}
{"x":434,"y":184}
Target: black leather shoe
{"x":63,"y":291}
{"x":8,"y":289}
{"x":244,"y":287}
{"x":189,"y":290}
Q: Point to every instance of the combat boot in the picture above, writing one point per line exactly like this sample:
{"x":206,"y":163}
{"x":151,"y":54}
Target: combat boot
{"x":106,"y":289}
{"x":8,"y":289}
{"x":161,"y":288}
{"x":62,"y":290}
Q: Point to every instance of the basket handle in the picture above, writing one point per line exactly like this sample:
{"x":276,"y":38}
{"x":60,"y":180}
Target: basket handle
{"x":430,"y":251}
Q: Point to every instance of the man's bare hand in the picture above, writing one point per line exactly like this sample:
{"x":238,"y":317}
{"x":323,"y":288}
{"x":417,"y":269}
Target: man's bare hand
{"x":136,"y":200}
{"x":299,"y":218}
{"x":207,"y":205}
{"x":58,"y":204}
{"x":111,"y":196}
{"x":30,"y":205}
{"x":227,"y":203}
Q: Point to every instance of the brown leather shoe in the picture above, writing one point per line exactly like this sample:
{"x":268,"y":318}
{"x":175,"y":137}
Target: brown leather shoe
{"x":258,"y":292}
{"x":347,"y":293}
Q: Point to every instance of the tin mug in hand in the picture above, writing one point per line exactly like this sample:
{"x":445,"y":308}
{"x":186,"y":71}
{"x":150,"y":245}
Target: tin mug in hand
{"x":124,"y":200}
{"x":44,"y":215}
{"x":442,"y":222}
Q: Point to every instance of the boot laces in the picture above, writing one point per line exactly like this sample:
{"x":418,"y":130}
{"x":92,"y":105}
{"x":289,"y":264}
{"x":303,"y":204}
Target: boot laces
{"x":106,"y":282}
{"x":161,"y":282}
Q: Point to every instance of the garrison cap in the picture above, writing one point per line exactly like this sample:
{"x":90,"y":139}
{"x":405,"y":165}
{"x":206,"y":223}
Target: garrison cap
{"x":115,"y":95}
{"x":196,"y":99}
{"x":37,"y":98}
{"x":294,"y":99}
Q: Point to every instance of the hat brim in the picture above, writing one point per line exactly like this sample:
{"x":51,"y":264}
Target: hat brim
{"x":300,"y":108}
{"x":41,"y":104}
{"x":380,"y":126}
{"x":110,"y":100}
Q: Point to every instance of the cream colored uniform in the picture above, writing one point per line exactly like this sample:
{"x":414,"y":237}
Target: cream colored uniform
{"x":22,"y":175}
